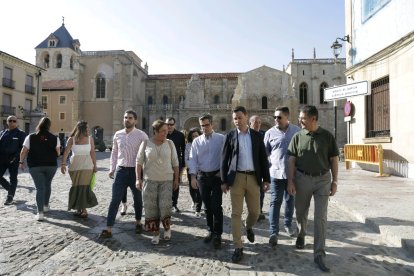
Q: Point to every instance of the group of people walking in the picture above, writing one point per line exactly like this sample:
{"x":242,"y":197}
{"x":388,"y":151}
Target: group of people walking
{"x":295,"y":164}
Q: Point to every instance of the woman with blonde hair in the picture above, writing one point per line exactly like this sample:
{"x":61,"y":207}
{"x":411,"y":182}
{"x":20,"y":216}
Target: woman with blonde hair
{"x":159,"y":160}
{"x":81,"y":168}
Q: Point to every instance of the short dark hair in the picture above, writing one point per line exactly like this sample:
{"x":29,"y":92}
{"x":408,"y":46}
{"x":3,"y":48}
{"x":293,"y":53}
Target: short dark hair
{"x":190,"y":134}
{"x":206,"y":116}
{"x":170,"y":119}
{"x":283,"y":109}
{"x":157,"y":125}
{"x":130,"y":111}
{"x":240,"y":109}
{"x":43,"y":125}
{"x":310,"y":111}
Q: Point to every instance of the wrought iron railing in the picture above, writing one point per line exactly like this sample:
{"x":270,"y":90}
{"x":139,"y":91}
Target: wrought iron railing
{"x":9,"y":83}
{"x":6,"y":110}
{"x":29,"y":89}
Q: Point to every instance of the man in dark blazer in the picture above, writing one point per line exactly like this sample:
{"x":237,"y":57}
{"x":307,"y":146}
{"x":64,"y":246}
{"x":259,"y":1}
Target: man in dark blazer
{"x":244,"y":168}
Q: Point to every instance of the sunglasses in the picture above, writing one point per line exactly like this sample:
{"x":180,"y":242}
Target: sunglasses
{"x":11,"y":121}
{"x":206,"y":125}
{"x":170,"y":124}
{"x":277,"y":117}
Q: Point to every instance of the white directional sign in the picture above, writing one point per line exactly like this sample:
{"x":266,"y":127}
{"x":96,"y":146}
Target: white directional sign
{"x":347,"y":91}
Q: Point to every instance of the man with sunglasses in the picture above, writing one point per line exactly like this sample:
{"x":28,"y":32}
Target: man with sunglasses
{"x":276,"y":141}
{"x":11,"y":143}
{"x":179,"y":142}
{"x":312,"y":172}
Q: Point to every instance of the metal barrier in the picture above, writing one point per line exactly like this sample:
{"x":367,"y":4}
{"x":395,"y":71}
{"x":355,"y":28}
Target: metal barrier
{"x":369,"y":154}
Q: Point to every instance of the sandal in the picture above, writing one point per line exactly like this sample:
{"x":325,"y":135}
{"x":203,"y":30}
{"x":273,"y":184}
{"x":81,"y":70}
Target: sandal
{"x":105,"y":234}
{"x":77,"y":213}
{"x":84,"y":214}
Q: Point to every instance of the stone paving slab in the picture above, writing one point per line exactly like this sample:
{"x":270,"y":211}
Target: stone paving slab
{"x":66,"y":245}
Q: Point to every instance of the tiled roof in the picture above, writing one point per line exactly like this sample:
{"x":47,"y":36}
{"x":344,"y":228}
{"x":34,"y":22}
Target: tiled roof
{"x":65,"y":39}
{"x":58,"y":85}
{"x":188,"y":76}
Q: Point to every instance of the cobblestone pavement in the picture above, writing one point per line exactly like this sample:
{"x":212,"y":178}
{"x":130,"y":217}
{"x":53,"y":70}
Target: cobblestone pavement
{"x":63,"y":244}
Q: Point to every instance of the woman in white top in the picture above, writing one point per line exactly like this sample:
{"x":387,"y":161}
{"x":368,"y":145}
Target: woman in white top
{"x":158,"y":158}
{"x":82,"y":166}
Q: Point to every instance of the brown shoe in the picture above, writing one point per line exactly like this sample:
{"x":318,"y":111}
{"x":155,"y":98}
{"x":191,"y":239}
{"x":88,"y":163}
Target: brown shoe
{"x":105,"y":234}
{"x":138,"y":229}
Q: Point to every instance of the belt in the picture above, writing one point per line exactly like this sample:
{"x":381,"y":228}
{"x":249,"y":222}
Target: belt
{"x":208,"y":174}
{"x":126,"y":168}
{"x":312,"y":174}
{"x":247,"y":172}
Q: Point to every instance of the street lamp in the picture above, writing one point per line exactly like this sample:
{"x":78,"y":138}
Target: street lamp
{"x":337,"y":47}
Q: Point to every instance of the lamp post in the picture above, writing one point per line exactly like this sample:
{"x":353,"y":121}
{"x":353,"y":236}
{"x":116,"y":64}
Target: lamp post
{"x":337,"y":47}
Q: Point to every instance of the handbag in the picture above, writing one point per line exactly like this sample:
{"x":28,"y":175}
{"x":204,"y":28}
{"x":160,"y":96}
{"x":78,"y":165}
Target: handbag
{"x":93,"y":181}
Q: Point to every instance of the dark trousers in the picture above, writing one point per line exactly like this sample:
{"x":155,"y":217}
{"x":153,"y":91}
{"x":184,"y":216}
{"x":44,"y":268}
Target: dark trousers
{"x":211,"y":194}
{"x":13,"y":168}
{"x":175,"y":196}
{"x":124,"y":178}
{"x":262,"y":195}
{"x":195,"y":194}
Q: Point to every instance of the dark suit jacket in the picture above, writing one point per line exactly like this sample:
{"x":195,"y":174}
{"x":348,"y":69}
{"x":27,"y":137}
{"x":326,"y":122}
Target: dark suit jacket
{"x":229,"y":158}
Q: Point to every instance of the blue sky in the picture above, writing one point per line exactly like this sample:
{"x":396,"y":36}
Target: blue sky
{"x":181,"y":36}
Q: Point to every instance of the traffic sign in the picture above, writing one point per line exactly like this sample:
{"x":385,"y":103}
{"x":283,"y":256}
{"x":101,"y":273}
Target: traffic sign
{"x":347,"y":91}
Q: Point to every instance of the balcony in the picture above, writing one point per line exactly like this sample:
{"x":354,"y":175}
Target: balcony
{"x":6,"y":110}
{"x":29,"y":89}
{"x":9,"y":83}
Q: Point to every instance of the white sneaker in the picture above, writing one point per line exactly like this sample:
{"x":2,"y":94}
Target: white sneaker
{"x":39,"y":217}
{"x":46,"y":208}
{"x":198,"y":214}
{"x":167,"y":235}
{"x":155,"y":239}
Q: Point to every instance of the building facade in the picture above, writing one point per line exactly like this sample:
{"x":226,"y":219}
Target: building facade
{"x":19,"y":92}
{"x":388,"y":65}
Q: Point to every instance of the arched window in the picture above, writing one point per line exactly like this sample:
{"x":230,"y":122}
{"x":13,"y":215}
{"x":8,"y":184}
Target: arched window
{"x":303,"y":93}
{"x":223,"y":124}
{"x":100,"y":86}
{"x":71,"y":63}
{"x":46,"y":61}
{"x":149,"y":101}
{"x":216,"y":99}
{"x":59,"y":61}
{"x":165,"y":100}
{"x":264,"y":102}
{"x":322,"y":93}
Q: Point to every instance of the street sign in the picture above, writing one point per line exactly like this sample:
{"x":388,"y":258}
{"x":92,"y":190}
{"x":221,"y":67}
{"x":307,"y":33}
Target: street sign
{"x":347,"y":91}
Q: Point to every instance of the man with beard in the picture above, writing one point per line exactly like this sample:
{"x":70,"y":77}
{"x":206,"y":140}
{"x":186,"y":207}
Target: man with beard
{"x":125,"y":147}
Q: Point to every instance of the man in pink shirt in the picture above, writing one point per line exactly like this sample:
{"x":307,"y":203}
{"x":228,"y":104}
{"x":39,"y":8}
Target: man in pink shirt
{"x":125,"y":147}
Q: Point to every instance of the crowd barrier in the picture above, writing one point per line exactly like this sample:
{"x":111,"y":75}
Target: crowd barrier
{"x":369,"y":154}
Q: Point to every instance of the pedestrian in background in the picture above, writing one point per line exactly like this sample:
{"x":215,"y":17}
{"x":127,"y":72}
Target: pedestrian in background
{"x":244,"y":168}
{"x":255,"y":123}
{"x":11,"y":143}
{"x":205,"y":176}
{"x":81,"y":168}
{"x":125,"y":147}
{"x":42,"y":149}
{"x":158,"y":158}
{"x":313,"y":172}
{"x":179,"y":142}
{"x":194,"y":193}
{"x":276,"y":141}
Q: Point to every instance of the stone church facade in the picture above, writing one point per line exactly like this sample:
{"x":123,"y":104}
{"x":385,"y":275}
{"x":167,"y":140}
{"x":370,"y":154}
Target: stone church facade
{"x":98,"y":86}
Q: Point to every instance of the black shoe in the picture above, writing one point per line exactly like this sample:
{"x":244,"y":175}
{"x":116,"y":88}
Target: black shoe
{"x":300,"y":243}
{"x":237,"y":255}
{"x":217,"y":242}
{"x":209,"y":237}
{"x":321,"y":264}
{"x":273,"y":240}
{"x":138,"y":228}
{"x":175,"y":209}
{"x":250,"y":235}
{"x":261,"y":217}
{"x":9,"y":200}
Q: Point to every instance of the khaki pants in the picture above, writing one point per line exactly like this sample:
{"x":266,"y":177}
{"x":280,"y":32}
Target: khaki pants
{"x":319,"y":187}
{"x":244,"y":187}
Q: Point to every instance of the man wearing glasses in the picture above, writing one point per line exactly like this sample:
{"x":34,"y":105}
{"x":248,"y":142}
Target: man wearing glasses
{"x":312,"y":171}
{"x":205,"y":162}
{"x":11,"y":143}
{"x":179,"y":141}
{"x":276,"y":141}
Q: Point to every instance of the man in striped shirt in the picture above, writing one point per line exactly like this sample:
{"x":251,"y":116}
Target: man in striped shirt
{"x":125,"y":147}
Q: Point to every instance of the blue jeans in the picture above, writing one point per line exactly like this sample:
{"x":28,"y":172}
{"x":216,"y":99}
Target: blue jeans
{"x":124,"y":178}
{"x":211,"y":194}
{"x":278,"y":191}
{"x":42,"y":177}
{"x":13,"y":170}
